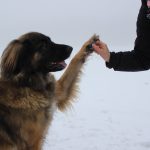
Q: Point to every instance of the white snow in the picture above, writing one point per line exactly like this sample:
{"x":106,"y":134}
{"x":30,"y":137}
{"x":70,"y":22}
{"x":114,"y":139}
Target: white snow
{"x":111,"y":113}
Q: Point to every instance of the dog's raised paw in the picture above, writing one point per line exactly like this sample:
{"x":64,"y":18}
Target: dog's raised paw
{"x":89,"y":43}
{"x":87,"y":48}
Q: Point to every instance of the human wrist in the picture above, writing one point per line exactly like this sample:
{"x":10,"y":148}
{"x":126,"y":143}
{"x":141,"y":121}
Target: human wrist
{"x":108,"y":57}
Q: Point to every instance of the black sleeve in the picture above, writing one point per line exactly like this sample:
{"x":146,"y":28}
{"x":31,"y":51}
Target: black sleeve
{"x":139,"y":58}
{"x":128,"y":61}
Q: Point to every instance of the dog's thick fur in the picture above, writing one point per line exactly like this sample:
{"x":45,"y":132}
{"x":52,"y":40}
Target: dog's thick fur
{"x":29,"y":93}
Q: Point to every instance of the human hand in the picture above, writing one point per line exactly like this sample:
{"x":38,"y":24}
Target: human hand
{"x":101,"y":49}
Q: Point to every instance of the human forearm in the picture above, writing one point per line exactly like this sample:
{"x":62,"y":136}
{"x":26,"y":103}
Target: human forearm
{"x":128,"y":61}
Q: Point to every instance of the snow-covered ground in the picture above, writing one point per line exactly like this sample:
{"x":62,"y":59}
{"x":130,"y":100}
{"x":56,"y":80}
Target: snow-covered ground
{"x":112,"y":112}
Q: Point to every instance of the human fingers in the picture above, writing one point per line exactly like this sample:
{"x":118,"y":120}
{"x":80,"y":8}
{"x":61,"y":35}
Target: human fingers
{"x":96,"y":48}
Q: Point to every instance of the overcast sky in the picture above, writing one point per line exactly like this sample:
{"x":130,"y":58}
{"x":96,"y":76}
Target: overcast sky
{"x":70,"y":22}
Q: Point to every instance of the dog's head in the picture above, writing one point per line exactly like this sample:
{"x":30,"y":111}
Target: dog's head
{"x":33,"y":52}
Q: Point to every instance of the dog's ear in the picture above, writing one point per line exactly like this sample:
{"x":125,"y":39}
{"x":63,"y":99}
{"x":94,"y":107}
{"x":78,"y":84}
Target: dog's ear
{"x":11,"y":56}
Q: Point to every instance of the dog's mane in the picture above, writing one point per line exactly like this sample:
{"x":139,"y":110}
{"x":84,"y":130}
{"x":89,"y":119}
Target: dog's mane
{"x":37,"y":81}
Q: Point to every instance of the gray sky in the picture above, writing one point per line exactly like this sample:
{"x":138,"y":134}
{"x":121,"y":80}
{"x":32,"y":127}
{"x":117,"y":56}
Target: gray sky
{"x":70,"y":22}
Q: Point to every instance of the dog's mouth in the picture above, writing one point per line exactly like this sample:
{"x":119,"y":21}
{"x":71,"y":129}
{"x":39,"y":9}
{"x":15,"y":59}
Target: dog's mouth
{"x":57,"y":66}
{"x":58,"y":63}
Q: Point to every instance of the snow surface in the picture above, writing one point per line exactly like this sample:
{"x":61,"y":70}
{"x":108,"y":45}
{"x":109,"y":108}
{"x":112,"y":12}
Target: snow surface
{"x":111,"y":113}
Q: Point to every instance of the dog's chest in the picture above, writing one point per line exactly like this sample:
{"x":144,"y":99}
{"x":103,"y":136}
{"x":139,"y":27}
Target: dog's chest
{"x":35,"y":127}
{"x":30,"y":112}
{"x":32,"y":125}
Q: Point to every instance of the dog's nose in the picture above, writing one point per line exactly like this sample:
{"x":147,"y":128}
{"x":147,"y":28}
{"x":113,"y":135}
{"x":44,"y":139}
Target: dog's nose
{"x":69,"y":48}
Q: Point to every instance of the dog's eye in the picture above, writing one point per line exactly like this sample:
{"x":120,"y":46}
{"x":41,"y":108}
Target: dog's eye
{"x":49,"y":39}
{"x":43,"y":45}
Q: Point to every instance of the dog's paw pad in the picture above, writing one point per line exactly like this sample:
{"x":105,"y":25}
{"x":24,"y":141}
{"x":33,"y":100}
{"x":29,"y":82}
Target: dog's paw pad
{"x":92,"y":40}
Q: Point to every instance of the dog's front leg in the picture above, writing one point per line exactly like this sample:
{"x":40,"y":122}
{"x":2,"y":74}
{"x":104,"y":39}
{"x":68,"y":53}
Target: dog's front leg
{"x":66,"y":87}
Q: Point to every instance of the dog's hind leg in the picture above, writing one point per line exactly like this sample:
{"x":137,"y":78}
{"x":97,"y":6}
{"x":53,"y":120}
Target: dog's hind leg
{"x":66,"y":87}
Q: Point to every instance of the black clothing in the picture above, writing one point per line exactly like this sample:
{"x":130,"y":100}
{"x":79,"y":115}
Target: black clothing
{"x":139,"y":58}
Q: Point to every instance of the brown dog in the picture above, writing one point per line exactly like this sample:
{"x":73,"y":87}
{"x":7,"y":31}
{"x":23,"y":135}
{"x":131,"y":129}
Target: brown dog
{"x":29,"y":94}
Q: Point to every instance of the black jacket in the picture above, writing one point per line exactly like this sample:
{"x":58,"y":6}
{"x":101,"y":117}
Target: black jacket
{"x":139,"y":58}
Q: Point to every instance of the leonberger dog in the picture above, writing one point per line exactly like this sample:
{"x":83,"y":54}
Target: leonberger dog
{"x":29,"y":93}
